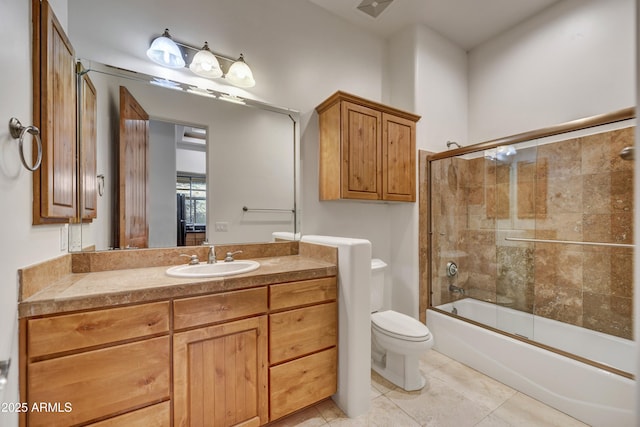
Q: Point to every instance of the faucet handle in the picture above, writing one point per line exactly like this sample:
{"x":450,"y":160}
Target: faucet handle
{"x":229,"y":257}
{"x":194,"y":259}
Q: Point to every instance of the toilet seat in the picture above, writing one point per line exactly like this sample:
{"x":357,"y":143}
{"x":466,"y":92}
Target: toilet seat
{"x":400,"y":326}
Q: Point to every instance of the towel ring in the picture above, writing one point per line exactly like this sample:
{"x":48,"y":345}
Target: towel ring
{"x":18,"y":131}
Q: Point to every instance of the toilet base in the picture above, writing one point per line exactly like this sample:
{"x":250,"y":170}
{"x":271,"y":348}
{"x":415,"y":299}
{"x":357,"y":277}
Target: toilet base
{"x":401,"y":370}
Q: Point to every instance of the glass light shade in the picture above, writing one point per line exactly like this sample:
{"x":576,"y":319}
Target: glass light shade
{"x":206,"y":64}
{"x":165,"y":52}
{"x":240,"y":74}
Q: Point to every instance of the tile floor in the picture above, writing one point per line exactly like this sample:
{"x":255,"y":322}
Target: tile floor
{"x":455,"y":395}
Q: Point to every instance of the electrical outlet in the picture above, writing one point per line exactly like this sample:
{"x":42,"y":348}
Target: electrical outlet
{"x":222,"y":226}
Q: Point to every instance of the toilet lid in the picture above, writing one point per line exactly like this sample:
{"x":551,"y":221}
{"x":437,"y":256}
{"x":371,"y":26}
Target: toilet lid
{"x":400,"y":326}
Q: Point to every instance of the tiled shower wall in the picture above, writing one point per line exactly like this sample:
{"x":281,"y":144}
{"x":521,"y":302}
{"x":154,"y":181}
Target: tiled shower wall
{"x":573,"y":190}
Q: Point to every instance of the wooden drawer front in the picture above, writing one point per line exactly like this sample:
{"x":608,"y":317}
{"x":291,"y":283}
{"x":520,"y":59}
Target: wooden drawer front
{"x":287,"y":295}
{"x":152,"y":416}
{"x":295,"y":333}
{"x":219,"y":307}
{"x":220,"y":375}
{"x":101,"y":382}
{"x":75,"y":331}
{"x":302,"y":382}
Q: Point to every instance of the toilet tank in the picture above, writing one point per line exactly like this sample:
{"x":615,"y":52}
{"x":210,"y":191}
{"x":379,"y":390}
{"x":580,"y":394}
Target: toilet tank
{"x":378,"y":269}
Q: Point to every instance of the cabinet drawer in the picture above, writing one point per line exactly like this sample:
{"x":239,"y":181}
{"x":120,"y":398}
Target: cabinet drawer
{"x":101,"y":382}
{"x":80,"y":330}
{"x":302,"y":382}
{"x":152,"y":416}
{"x":219,"y":307}
{"x":298,"y":332}
{"x":288,"y":295}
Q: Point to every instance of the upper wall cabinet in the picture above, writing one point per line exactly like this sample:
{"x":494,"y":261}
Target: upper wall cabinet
{"x":367,"y":150}
{"x":54,"y":112}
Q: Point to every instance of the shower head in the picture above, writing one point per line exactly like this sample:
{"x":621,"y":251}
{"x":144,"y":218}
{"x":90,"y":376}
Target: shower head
{"x":450,"y":143}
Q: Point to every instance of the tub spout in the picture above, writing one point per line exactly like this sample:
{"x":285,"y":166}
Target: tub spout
{"x":455,"y":289}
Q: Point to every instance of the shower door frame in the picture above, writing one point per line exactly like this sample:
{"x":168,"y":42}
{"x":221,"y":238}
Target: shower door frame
{"x":425,"y":227}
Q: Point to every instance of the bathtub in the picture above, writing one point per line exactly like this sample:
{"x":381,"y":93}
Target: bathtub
{"x":592,"y":395}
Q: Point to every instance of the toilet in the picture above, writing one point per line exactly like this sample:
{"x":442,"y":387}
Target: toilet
{"x":397,"y":340}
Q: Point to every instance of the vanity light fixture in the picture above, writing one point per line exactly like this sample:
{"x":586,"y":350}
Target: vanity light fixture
{"x":165,"y":51}
{"x":206,"y":64}
{"x":202,"y":62}
{"x":240,"y":74}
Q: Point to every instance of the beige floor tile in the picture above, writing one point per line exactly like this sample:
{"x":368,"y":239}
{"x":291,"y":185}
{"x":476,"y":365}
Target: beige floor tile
{"x":382,"y":385}
{"x":432,"y":360}
{"x":474,"y":385}
{"x":309,"y":417}
{"x":329,"y":410}
{"x":383,"y":413}
{"x":522,"y":410}
{"x":437,"y":404}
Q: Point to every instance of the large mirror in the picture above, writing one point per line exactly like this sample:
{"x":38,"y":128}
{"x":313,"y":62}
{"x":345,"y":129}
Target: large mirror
{"x":224,"y":168}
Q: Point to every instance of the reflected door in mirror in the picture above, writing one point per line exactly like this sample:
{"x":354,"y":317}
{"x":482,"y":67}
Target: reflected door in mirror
{"x":133,"y":227}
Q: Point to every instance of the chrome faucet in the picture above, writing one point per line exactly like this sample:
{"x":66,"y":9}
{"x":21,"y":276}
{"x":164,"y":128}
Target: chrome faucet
{"x":229,"y":257}
{"x":455,"y":289}
{"x":212,"y":255}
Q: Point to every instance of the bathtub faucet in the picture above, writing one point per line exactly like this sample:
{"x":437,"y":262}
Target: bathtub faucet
{"x":456,"y":289}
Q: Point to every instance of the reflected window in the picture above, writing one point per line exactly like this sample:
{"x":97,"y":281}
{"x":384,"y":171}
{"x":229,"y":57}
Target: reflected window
{"x":194,"y":190}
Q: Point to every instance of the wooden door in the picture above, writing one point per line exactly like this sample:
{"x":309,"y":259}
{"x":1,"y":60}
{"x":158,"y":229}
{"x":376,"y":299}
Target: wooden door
{"x":133,"y":226}
{"x":88,"y":140}
{"x":399,"y":159}
{"x":54,"y":184}
{"x":220,"y":375}
{"x":361,"y":152}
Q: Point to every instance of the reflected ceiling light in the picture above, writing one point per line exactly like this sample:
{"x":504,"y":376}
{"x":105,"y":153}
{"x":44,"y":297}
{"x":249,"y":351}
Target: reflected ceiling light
{"x":206,"y":64}
{"x":240,"y":74}
{"x":201,"y":91}
{"x":232,"y":98}
{"x":165,"y":51}
{"x":165,"y":83}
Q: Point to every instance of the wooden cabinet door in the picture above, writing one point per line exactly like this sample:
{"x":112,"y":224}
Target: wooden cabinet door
{"x":54,"y":184}
{"x":133,"y":225}
{"x":398,"y":159}
{"x":361,"y":152}
{"x":88,"y":142}
{"x":220,"y":375}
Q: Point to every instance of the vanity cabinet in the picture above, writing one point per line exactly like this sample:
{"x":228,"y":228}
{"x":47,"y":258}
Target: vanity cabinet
{"x":91,"y":366}
{"x":54,"y":113}
{"x":237,"y":358}
{"x":303,"y":330}
{"x":220,"y":371}
{"x":367,"y":150}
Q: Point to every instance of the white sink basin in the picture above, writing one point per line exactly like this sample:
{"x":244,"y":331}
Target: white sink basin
{"x":218,"y":269}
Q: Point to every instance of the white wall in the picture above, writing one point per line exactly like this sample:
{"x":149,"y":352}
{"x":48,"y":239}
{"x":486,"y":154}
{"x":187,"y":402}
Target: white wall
{"x":191,"y":161}
{"x":573,"y":60}
{"x":21,"y":244}
{"x":162,"y":184}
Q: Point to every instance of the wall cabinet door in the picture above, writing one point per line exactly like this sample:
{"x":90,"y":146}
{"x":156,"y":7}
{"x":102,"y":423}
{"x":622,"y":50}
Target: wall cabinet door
{"x":361,"y":152}
{"x":220,"y":375}
{"x":398,"y":159}
{"x":54,"y":82}
{"x":88,"y":139}
{"x":367,"y":150}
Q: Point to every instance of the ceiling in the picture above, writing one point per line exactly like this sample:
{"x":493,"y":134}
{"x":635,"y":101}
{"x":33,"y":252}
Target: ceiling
{"x":467,"y":23}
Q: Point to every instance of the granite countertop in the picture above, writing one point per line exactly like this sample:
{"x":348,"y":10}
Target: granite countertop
{"x":103,"y":289}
